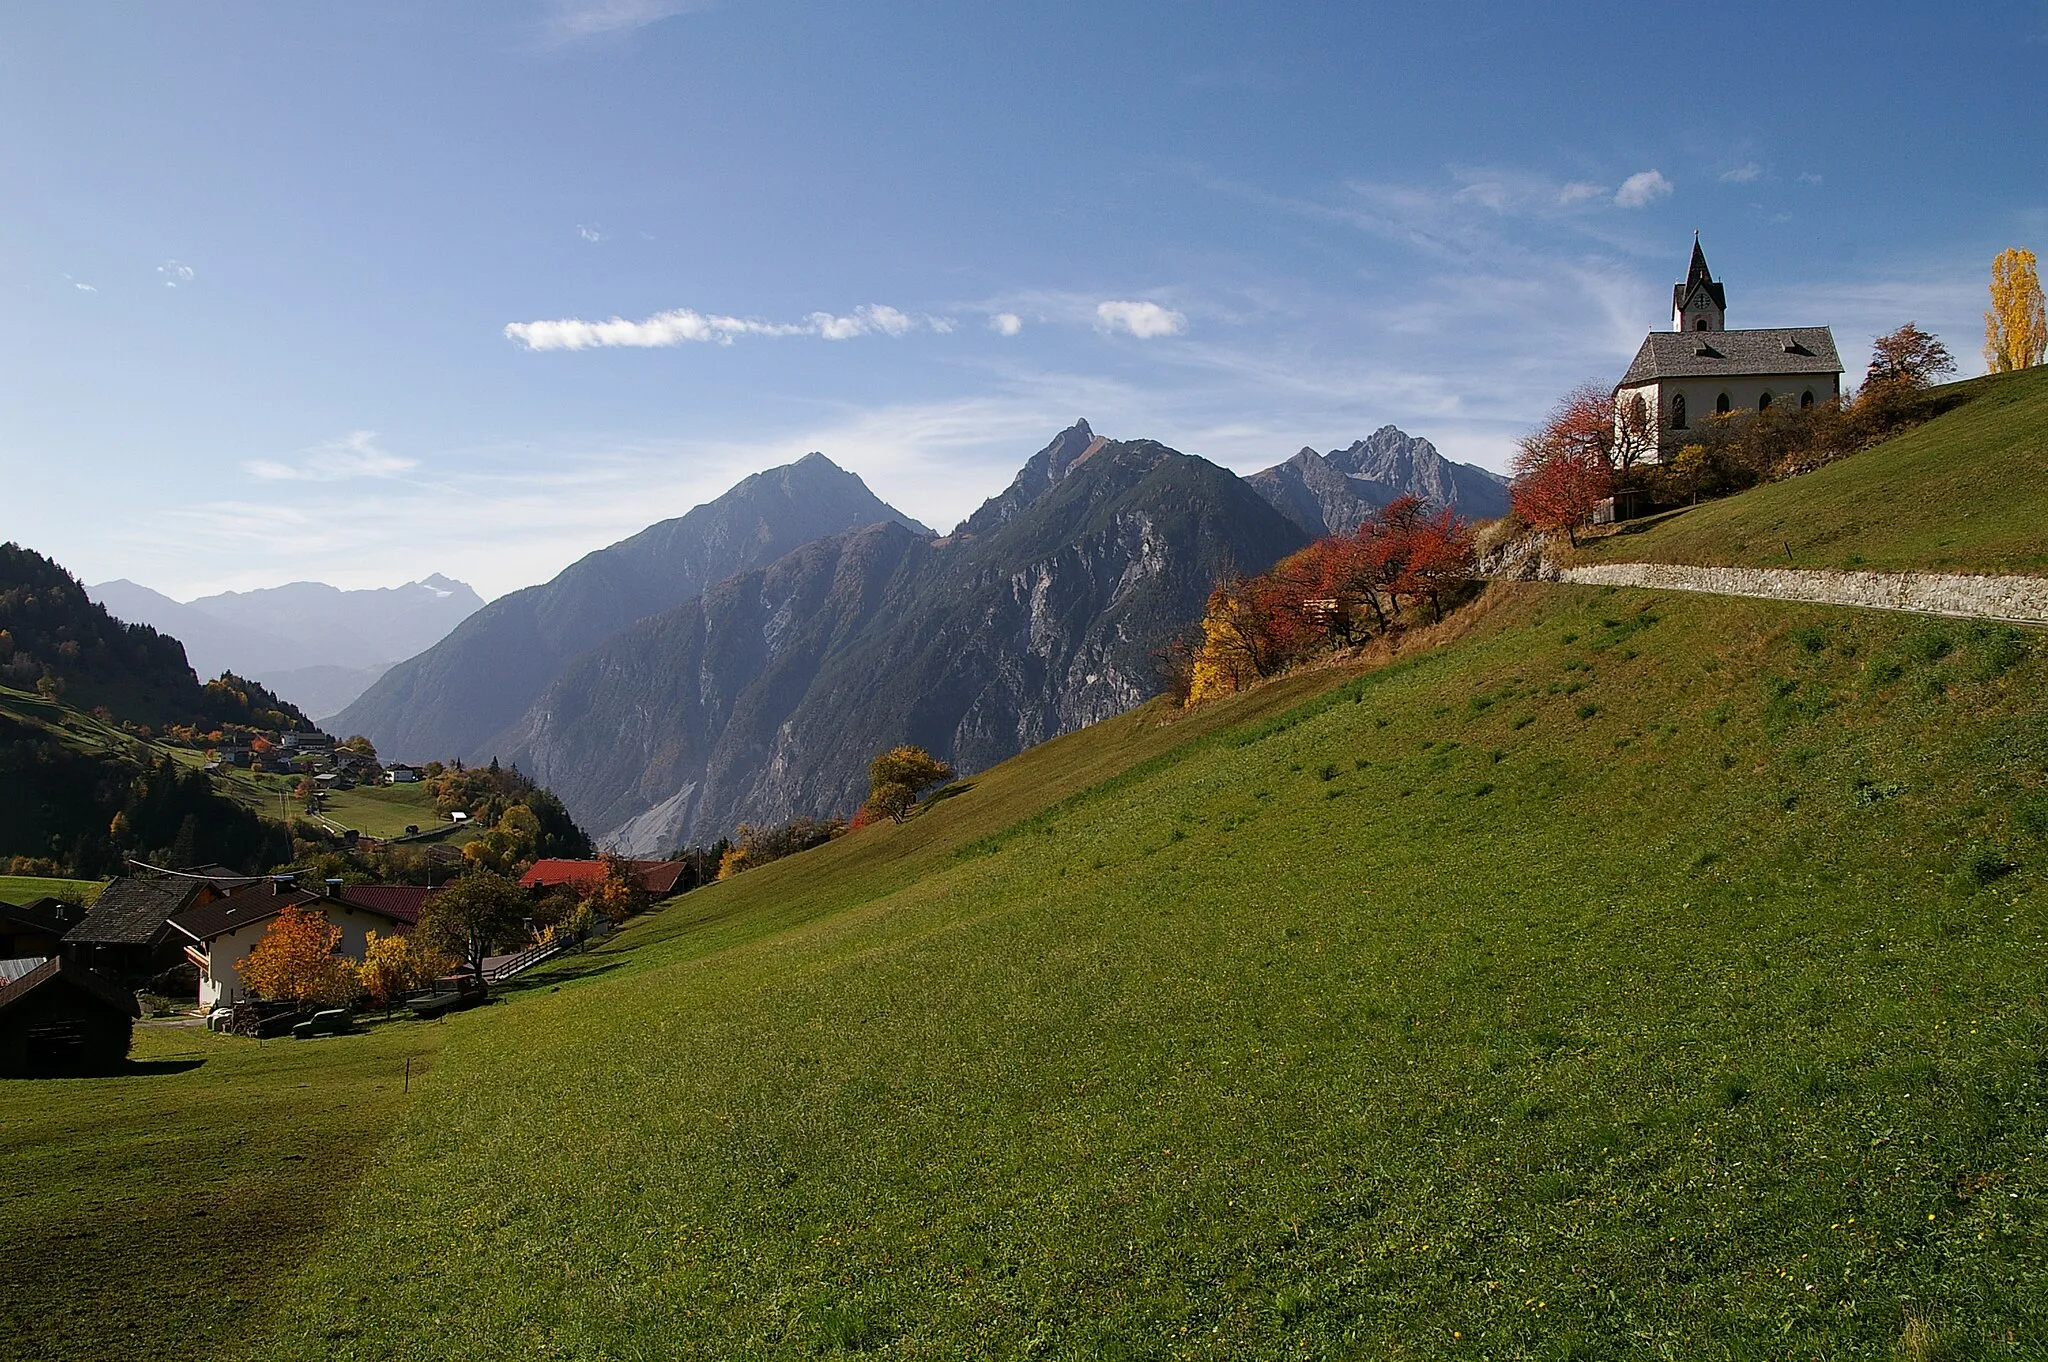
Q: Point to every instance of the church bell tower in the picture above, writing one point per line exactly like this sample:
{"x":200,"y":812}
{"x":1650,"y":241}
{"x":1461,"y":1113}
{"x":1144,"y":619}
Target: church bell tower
{"x":1700,"y":303}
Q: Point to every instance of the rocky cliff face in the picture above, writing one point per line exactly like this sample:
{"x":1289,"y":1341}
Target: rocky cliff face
{"x":455,"y":698}
{"x":1333,"y":493}
{"x":766,"y":698}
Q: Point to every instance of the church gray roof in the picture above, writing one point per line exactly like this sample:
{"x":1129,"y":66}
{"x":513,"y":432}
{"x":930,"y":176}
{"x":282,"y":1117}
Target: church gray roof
{"x":1733,"y":354}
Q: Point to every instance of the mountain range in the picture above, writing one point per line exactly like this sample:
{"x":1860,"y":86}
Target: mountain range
{"x":743,"y":662}
{"x":1333,"y":493}
{"x":315,"y":644}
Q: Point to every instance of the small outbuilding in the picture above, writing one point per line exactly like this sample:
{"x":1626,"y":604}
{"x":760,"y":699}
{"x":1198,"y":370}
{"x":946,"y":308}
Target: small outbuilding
{"x":59,"y":1019}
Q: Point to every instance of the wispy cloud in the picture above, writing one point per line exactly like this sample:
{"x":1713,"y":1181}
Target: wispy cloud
{"x":1006,"y":323}
{"x":1742,"y":174}
{"x":590,"y":234}
{"x":354,"y":455}
{"x":1145,"y":320}
{"x":684,"y":325}
{"x":1642,"y":189}
{"x":173,"y":274}
{"x":1808,"y":177}
{"x":1579,"y":191}
{"x":572,"y":20}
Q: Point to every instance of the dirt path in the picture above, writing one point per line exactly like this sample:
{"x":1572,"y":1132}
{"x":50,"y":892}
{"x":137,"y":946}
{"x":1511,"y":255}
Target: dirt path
{"x":2018,"y":600}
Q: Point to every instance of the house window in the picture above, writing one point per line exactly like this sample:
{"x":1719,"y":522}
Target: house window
{"x":1721,"y":404}
{"x":1806,"y":399}
{"x":1678,"y":411}
{"x":1764,"y":403}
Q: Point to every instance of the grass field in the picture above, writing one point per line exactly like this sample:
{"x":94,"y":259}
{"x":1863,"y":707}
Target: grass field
{"x":1967,"y":492}
{"x":27,"y":888}
{"x":146,"y":1215}
{"x":1638,"y":976}
{"x":383,"y":810}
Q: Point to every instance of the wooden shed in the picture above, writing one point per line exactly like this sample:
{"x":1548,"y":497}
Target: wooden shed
{"x":60,"y":1019}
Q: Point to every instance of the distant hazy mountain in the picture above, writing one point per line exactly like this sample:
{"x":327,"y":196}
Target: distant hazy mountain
{"x":767,"y":697}
{"x":454,"y":698}
{"x":314,"y":644}
{"x":1333,"y":493}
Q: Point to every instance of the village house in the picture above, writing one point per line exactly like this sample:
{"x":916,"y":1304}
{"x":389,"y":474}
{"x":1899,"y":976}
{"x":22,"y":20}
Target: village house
{"x":402,"y":774}
{"x":658,"y":878}
{"x":127,"y":935}
{"x":217,"y":936}
{"x":58,"y":1018}
{"x":1683,"y":377}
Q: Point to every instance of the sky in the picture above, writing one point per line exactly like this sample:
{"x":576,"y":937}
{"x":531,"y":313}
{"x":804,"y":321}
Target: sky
{"x":358,"y":293}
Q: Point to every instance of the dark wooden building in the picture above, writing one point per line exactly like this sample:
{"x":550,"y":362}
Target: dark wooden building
{"x":59,"y":1019}
{"x":128,"y":935}
{"x":36,"y":929}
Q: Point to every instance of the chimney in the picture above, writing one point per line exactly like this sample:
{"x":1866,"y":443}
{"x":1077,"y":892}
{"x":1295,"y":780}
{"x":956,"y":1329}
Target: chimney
{"x":334,"y":887}
{"x":280,"y":884}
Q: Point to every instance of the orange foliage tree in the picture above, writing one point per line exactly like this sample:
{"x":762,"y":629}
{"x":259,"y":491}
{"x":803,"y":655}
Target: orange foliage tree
{"x":1328,"y":594}
{"x":2016,"y":327}
{"x":296,"y":962}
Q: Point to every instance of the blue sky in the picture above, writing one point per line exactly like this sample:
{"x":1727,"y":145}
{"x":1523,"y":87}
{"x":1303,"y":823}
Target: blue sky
{"x":318,"y":291}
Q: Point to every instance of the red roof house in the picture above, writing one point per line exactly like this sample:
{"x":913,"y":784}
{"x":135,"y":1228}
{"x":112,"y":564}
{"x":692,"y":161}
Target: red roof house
{"x":658,"y":878}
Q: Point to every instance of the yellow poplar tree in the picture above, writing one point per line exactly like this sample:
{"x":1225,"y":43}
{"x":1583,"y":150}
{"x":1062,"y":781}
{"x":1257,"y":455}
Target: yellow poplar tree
{"x":2015,"y":329}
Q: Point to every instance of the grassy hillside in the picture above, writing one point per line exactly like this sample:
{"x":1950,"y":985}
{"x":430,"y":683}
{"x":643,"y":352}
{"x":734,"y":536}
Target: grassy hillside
{"x":1967,"y":492}
{"x":29,"y":888}
{"x":1641,"y":975}
{"x":146,"y":1213}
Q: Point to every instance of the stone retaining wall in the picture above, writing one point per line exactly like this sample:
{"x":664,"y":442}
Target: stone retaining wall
{"x":2019,"y":599}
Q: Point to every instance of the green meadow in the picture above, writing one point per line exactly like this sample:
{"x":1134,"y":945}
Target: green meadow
{"x":28,"y":888}
{"x":1627,"y":975}
{"x":1637,"y":975}
{"x":1967,"y":492}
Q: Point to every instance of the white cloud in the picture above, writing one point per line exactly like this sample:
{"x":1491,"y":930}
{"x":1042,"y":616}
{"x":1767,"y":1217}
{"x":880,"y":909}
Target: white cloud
{"x":174,"y":274}
{"x":83,"y":288}
{"x":1578,"y":191}
{"x":1145,"y":320}
{"x":1742,"y":174}
{"x":684,"y":324}
{"x":354,"y":455}
{"x":570,"y":20}
{"x":1808,"y":177}
{"x":590,"y":234}
{"x":1642,"y":189}
{"x":1006,"y":323}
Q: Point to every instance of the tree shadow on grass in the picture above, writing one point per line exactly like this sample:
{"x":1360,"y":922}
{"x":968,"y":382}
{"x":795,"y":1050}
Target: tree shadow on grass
{"x":536,"y":980}
{"x":958,"y":787}
{"x":145,"y":1068}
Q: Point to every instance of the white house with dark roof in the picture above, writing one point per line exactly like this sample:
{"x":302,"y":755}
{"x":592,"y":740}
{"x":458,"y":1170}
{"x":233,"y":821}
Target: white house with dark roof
{"x":1699,"y":368}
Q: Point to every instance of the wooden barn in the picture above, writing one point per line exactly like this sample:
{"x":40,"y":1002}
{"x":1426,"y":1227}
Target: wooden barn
{"x":59,"y":1019}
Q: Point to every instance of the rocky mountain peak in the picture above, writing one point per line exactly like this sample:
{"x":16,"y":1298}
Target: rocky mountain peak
{"x":1040,"y":473}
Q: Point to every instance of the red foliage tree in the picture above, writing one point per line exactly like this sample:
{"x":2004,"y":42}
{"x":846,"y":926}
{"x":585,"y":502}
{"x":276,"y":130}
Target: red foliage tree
{"x":1566,"y":465}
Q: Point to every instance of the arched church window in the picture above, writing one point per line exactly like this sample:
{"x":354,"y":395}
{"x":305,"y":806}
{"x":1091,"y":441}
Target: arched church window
{"x":1678,"y":411}
{"x":1700,"y":324}
{"x":1764,"y":403}
{"x":1806,"y":399}
{"x":1721,"y":404}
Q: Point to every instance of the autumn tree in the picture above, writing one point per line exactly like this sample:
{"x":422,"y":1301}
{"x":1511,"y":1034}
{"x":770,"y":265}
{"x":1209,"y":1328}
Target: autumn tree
{"x":1440,"y":559}
{"x":1907,"y":358}
{"x":898,"y":776}
{"x":473,"y":916}
{"x":619,"y":895}
{"x":395,"y":965}
{"x":2016,"y":328}
{"x":295,"y":961}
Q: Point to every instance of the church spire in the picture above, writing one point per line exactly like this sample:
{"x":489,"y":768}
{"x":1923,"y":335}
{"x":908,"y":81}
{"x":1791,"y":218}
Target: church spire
{"x":1700,"y":303}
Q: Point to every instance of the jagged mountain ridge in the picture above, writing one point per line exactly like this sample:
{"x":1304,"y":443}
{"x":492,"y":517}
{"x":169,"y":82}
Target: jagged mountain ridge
{"x":453,"y":699}
{"x":1333,"y":493}
{"x":766,"y":698}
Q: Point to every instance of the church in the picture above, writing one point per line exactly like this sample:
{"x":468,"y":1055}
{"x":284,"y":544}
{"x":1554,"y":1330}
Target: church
{"x":1700,"y":368}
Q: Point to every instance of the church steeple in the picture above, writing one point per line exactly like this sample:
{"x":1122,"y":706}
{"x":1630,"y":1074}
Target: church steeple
{"x":1699,"y":304}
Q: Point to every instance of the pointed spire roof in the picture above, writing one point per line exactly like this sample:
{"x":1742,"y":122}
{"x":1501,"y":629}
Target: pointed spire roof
{"x":1698,"y":276}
